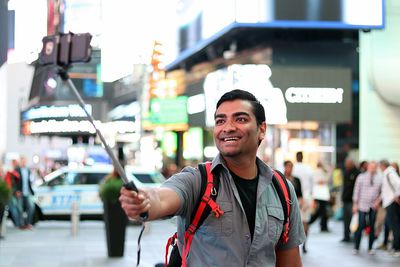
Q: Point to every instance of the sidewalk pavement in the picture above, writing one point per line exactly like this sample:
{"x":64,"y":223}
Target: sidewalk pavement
{"x":51,"y":244}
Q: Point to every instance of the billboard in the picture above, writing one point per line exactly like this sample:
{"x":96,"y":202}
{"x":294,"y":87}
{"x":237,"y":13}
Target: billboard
{"x":321,"y":94}
{"x":293,"y":93}
{"x":202,"y":22}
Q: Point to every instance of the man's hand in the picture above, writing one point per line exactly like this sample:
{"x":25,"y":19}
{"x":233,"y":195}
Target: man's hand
{"x":376,"y":204}
{"x":288,"y":258}
{"x":134,"y":203}
{"x":355,"y":208}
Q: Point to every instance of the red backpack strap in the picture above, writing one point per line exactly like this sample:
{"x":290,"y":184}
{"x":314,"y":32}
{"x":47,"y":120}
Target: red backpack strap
{"x":208,"y":199}
{"x":283,"y":191}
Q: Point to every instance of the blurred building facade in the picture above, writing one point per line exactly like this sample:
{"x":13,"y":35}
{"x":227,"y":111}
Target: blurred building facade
{"x":328,"y":81}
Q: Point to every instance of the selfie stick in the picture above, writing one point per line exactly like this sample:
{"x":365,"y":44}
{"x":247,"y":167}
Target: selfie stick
{"x":130,"y":185}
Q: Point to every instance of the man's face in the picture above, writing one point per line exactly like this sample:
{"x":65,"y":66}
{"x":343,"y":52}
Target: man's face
{"x":289,"y":168}
{"x":23,"y":162}
{"x":372,"y":166}
{"x":349,"y":164}
{"x":236,"y":132}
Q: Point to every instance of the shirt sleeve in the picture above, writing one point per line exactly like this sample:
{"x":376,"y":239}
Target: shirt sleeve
{"x":296,"y":230}
{"x":394,"y":181}
{"x":187,"y":184}
{"x":356,"y":189}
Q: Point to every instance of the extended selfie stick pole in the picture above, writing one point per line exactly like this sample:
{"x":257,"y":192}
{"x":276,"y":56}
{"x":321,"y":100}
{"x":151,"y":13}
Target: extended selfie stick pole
{"x":130,"y":185}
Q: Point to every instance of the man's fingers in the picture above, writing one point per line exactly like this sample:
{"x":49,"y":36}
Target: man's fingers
{"x":134,"y":203}
{"x":134,"y":210}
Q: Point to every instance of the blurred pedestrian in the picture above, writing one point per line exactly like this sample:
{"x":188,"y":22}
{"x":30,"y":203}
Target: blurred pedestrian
{"x":28,"y":204}
{"x":305,"y":174}
{"x":395,"y":165}
{"x":321,"y":196}
{"x":2,"y":174}
{"x":288,"y":172}
{"x":365,"y":201}
{"x":350,"y":174}
{"x":13,"y":180}
{"x":363,"y":166}
{"x":390,"y":198}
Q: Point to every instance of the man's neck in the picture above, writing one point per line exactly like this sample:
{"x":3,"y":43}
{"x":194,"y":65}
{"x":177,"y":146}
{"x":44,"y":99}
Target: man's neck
{"x":244,"y":168}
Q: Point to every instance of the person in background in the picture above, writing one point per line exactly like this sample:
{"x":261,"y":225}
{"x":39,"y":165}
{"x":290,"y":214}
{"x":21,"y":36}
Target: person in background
{"x":2,"y":174}
{"x":2,"y":206}
{"x":350,"y":174}
{"x":28,"y":205}
{"x":321,"y":196}
{"x":366,"y":201}
{"x":246,"y":234}
{"x":305,"y":174}
{"x":390,"y":199}
{"x":13,"y":180}
{"x":363,"y":166}
{"x":288,"y":168}
{"x":395,"y":165}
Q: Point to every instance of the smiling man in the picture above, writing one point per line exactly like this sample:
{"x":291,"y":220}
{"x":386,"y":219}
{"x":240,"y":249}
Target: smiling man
{"x":249,"y":231}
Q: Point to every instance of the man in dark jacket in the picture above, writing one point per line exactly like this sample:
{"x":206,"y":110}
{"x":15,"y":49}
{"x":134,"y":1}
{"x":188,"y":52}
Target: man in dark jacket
{"x":349,"y":178}
{"x":12,"y":179}
{"x":28,"y":204}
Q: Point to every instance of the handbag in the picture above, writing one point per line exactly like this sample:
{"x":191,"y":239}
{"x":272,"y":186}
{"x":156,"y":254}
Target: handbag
{"x":354,"y":222}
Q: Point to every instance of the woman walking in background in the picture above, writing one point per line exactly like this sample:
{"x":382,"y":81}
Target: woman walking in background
{"x":321,"y":196}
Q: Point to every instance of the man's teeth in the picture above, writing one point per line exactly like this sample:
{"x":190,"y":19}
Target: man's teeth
{"x":231,"y":139}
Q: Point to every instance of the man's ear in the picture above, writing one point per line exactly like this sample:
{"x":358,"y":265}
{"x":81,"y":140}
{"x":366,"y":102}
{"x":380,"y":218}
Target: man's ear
{"x":263,"y":130}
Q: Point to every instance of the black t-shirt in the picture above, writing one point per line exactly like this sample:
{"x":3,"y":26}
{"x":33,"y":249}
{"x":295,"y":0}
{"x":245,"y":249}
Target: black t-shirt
{"x":349,"y":180}
{"x":248,"y":195}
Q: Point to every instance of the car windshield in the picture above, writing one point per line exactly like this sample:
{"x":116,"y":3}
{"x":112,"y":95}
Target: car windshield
{"x":149,"y":178}
{"x":74,"y":178}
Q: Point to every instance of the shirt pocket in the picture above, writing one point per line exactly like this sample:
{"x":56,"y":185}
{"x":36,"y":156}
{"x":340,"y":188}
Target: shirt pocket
{"x":222,"y":226}
{"x":275,"y":223}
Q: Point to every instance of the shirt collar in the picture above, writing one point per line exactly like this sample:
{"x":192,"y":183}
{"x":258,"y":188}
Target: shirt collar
{"x":265,"y":172}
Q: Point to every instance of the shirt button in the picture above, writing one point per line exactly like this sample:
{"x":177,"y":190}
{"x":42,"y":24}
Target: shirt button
{"x":247,"y":236}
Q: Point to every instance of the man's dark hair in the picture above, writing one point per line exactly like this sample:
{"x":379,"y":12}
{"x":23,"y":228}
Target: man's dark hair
{"x":258,"y":109}
{"x":384,"y":162}
{"x":299,"y":156}
{"x":287,"y":162}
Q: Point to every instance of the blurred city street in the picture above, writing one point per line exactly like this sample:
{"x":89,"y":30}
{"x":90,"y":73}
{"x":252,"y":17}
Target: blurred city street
{"x":50,"y":243}
{"x":96,"y":95}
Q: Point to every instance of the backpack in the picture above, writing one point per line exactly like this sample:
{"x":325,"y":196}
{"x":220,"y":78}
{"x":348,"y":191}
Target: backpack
{"x":206,"y":203}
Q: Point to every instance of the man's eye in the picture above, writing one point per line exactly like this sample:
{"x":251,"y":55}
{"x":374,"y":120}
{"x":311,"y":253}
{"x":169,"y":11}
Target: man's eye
{"x":241,"y":119}
{"x":219,"y":122}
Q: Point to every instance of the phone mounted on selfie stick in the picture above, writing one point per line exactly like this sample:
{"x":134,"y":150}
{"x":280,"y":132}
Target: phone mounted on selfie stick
{"x":62,"y":50}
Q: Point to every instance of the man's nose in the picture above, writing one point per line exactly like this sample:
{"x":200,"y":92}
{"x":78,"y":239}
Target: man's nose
{"x":229,"y":126}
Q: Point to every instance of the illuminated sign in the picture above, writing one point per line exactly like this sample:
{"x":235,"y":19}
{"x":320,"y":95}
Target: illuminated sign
{"x":53,"y":126}
{"x":252,"y":78}
{"x":56,"y":112}
{"x":196,"y":104}
{"x":314,"y":95}
{"x":169,"y":110}
{"x":73,"y":127}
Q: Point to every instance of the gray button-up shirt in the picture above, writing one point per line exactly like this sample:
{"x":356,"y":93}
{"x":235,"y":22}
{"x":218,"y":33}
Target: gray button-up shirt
{"x":226,"y":241}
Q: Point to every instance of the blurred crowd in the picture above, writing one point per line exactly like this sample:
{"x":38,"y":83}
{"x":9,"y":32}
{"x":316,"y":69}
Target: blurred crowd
{"x":20,"y":203}
{"x":366,"y":197}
